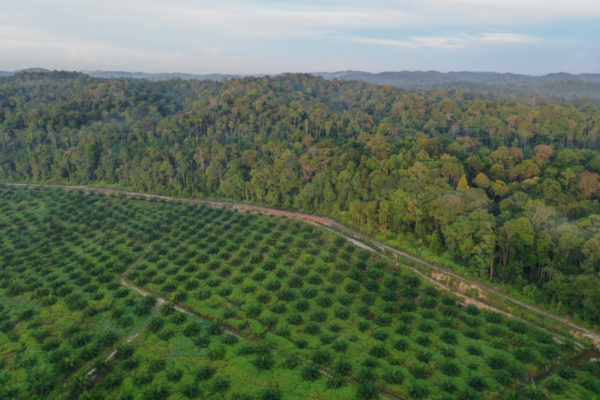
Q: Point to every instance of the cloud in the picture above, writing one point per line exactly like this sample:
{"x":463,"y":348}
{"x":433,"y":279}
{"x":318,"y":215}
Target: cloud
{"x":506,"y":38}
{"x":22,"y":44}
{"x":438,"y":42}
{"x":451,"y":42}
{"x":336,"y":18}
{"x":75,"y":47}
{"x":510,"y":11}
{"x":256,"y":20}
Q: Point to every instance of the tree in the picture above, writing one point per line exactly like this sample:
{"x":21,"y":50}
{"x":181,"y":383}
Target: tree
{"x":471,"y":237}
{"x":568,"y":178}
{"x":591,"y":250}
{"x":589,"y":183}
{"x":514,"y":236}
{"x":570,"y":240}
{"x":481,"y":180}
{"x":543,"y":154}
{"x":500,"y":189}
{"x":462,"y":183}
{"x":385,"y":215}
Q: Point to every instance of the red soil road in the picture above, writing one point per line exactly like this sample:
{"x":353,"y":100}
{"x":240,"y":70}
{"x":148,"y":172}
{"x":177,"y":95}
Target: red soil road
{"x":442,"y":275}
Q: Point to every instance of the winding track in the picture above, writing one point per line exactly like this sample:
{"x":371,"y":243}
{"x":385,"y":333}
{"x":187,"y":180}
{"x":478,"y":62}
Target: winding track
{"x":358,"y":239}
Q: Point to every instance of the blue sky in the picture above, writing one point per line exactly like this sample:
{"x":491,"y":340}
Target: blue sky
{"x":196,"y":36}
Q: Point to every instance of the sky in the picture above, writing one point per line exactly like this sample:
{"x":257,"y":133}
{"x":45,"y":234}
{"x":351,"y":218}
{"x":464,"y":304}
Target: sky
{"x":262,"y":36}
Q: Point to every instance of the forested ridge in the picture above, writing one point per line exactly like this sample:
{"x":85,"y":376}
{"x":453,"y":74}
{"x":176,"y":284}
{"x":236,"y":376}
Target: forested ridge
{"x":509,"y":190}
{"x":557,"y":85}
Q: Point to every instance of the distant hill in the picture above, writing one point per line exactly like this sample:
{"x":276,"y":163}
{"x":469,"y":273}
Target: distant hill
{"x":560,"y":85}
{"x":556,"y":85}
{"x":159,"y":76}
{"x":426,"y":79}
{"x":135,"y":75}
{"x":32,"y":70}
{"x":11,"y":73}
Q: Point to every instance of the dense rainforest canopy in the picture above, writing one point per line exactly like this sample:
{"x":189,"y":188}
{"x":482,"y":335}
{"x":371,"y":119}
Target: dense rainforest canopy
{"x":509,"y":190}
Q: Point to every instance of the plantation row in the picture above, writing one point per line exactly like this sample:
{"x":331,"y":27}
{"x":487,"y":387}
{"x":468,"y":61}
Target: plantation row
{"x":320,"y":316}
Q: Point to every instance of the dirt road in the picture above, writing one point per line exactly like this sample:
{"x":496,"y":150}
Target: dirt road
{"x":440,"y":277}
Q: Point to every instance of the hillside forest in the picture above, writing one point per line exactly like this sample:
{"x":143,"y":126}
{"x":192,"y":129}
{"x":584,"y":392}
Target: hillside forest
{"x":506,"y":191}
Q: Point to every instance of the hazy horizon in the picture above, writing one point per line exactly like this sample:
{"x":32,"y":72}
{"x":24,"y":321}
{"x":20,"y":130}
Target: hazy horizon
{"x":531,"y":37}
{"x":132,"y":71}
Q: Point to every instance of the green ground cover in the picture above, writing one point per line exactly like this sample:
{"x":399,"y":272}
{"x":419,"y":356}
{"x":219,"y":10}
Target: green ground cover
{"x":579,"y":380}
{"x":61,"y":302}
{"x":318,"y":317}
{"x":63,"y":311}
{"x":180,"y":356}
